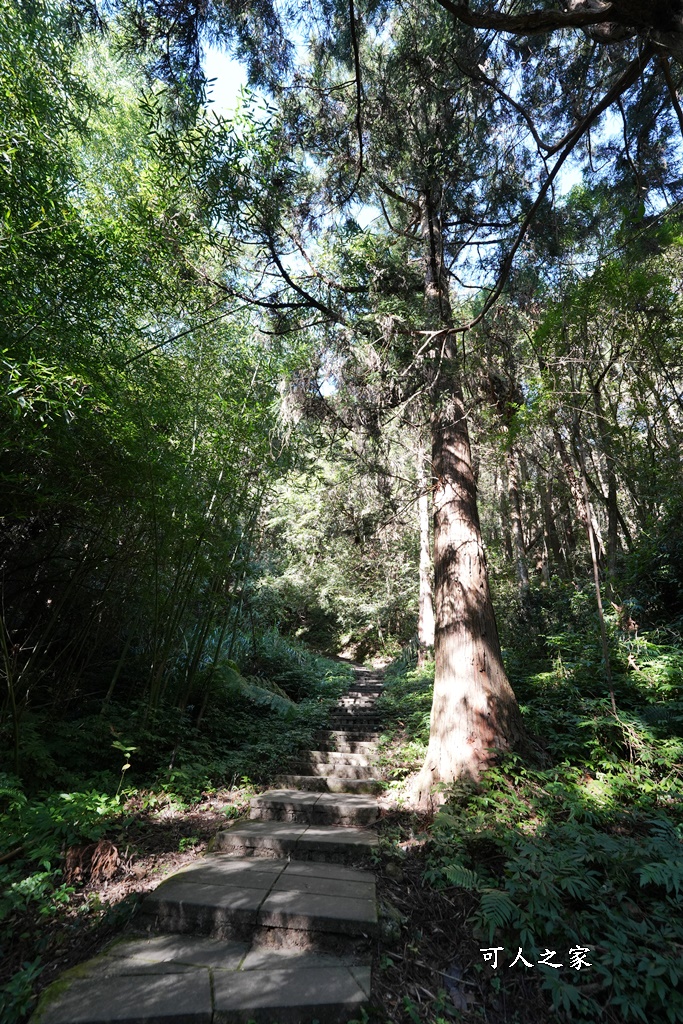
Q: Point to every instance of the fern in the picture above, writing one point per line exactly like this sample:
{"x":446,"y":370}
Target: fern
{"x":11,"y":793}
{"x":667,"y":874}
{"x":264,"y":693}
{"x":662,"y":714}
{"x":464,"y":878}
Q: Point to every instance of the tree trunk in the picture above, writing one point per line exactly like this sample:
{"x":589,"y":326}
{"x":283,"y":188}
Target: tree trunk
{"x":517,"y":533}
{"x":425,"y":623}
{"x":596,"y":582}
{"x":474,"y":711}
{"x":552,"y":539}
{"x":606,"y":440}
{"x":504,"y":513}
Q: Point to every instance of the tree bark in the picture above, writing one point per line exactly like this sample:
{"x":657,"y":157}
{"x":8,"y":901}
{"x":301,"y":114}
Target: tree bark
{"x":425,"y":623}
{"x":474,"y":711}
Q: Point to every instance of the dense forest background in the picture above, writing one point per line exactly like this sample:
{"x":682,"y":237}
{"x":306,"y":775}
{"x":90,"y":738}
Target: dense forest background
{"x":226,"y":343}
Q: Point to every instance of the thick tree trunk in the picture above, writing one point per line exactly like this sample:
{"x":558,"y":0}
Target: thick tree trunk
{"x":474,"y":711}
{"x":425,"y":623}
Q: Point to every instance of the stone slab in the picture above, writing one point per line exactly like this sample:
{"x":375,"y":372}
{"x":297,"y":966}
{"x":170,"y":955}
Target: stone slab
{"x":309,"y":783}
{"x":336,"y":769}
{"x":319,"y":783}
{"x":259,"y":838}
{"x":184,"y":998}
{"x":122,"y":965}
{"x":345,"y":800}
{"x":344,"y":808}
{"x":360,"y":731}
{"x":288,"y":995}
{"x":177,"y":890}
{"x":222,"y":870}
{"x":355,"y":734}
{"x":182,"y":949}
{"x":309,"y":868}
{"x":319,"y":837}
{"x":274,"y":830}
{"x":357,"y":818}
{"x":363,"y":976}
{"x":306,"y":911}
{"x":284,"y":796}
{"x":283,"y":805}
{"x":354,"y":713}
{"x":339,"y":888}
{"x":367,"y":739}
{"x":215,"y":910}
{"x":315,"y":808}
{"x":333,"y":756}
{"x":341,"y":785}
{"x":347,"y":745}
{"x":267,"y":958}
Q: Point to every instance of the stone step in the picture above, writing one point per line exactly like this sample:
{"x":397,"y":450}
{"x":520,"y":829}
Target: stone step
{"x":373,"y":691}
{"x":357,"y":720}
{"x":347,"y":743}
{"x":354,"y":736}
{"x":355,"y":726}
{"x":359,"y":714}
{"x":341,"y":722}
{"x":237,"y":897}
{"x":194,"y":980}
{"x":334,"y":757}
{"x":334,"y":768}
{"x":314,"y":808}
{"x":328,"y":784}
{"x":368,"y":735}
{"x":357,"y":709}
{"x":266,"y":839}
{"x":275,"y":924}
{"x":352,"y":710}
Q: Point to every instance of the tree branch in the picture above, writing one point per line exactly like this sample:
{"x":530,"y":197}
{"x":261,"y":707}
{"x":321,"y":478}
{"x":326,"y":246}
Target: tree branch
{"x":535,"y":22}
{"x":309,"y":299}
{"x":393,"y":194}
{"x":673,"y":92}
{"x":359,"y":98}
{"x":635,"y":68}
{"x":180,"y":334}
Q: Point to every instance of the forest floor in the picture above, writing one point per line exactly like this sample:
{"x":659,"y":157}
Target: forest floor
{"x":155,"y":844}
{"x":423,"y":969}
{"x":425,"y":951}
{"x":423,"y":956}
{"x":582,"y":845}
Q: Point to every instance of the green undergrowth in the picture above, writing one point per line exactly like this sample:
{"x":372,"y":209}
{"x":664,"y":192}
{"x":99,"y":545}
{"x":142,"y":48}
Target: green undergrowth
{"x":92,"y":773}
{"x":405,"y":705}
{"x":578,"y":845}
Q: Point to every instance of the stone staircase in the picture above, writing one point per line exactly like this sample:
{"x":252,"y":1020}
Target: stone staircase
{"x":274,"y":925}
